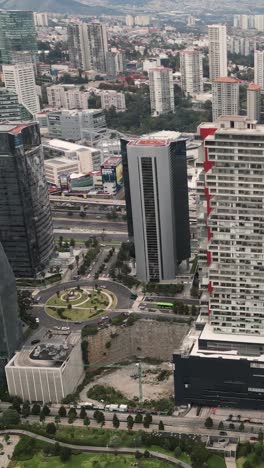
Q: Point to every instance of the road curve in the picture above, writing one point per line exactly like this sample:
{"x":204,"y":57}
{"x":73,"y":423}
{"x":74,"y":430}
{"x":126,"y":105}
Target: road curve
{"x":89,"y":449}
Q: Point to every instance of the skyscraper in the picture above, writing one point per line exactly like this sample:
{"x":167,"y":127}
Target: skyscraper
{"x":191,"y":67}
{"x":26,"y":231}
{"x":253,"y":102}
{"x":20,"y":79}
{"x":225,"y":97}
{"x":259,"y":68}
{"x":17,"y":35}
{"x":224,"y":364}
{"x":159,"y":200}
{"x":10,"y":326}
{"x":217,"y":51}
{"x":79,"y":47}
{"x":9,"y":106}
{"x":88,"y":46}
{"x":161,"y":91}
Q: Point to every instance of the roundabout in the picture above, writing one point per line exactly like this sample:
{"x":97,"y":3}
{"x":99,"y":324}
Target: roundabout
{"x":80,"y":303}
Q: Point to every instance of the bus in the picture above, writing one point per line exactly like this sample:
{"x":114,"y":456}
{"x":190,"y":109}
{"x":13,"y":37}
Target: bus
{"x":164,"y":305}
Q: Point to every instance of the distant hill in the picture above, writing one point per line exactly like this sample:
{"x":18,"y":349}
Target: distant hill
{"x":56,"y":6}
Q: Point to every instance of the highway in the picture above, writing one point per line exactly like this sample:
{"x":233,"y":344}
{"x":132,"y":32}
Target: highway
{"x":90,"y":224}
{"x":84,"y":234}
{"x":86,"y":201}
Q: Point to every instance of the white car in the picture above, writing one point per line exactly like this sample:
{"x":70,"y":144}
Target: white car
{"x":37,"y":320}
{"x":65,"y":328}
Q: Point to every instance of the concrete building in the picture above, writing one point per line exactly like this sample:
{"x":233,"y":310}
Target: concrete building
{"x":217,"y":51}
{"x":67,"y":97}
{"x":253,"y":102}
{"x":20,"y":79}
{"x":191,"y":68}
{"x":61,"y":166}
{"x":161,"y":91}
{"x":112,"y":175}
{"x":259,"y":68}
{"x":47,"y":371}
{"x":89,"y":158}
{"x":17,"y":35}
{"x":225,"y":97}
{"x":130,"y":20}
{"x":41,"y":20}
{"x":9,"y":106}
{"x":241,"y":45}
{"x":114,"y":63}
{"x":113,"y":99}
{"x":151,"y":62}
{"x":10,"y":325}
{"x":79,"y":47}
{"x":142,"y":20}
{"x":224,"y":364}
{"x":259,"y":23}
{"x":159,"y":201}
{"x":98,"y":46}
{"x":26,"y":231}
{"x":76,"y":125}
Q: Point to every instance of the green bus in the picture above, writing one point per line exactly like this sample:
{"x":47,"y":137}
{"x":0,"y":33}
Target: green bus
{"x":164,"y":305}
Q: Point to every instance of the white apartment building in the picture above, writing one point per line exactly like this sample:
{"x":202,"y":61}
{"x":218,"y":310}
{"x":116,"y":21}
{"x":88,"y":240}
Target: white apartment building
{"x":151,"y":62}
{"x":142,"y":20}
{"x":253,"y":102}
{"x":79,"y":46}
{"x":67,"y":97}
{"x":20,"y":79}
{"x":191,"y":68}
{"x":41,"y":19}
{"x":130,"y":20}
{"x":89,"y":158}
{"x":47,"y":371}
{"x":114,"y":63}
{"x":259,"y":68}
{"x":217,"y":51}
{"x":75,"y":125}
{"x":240,"y":45}
{"x":234,"y":219}
{"x":57,"y":167}
{"x":225,"y":94}
{"x":161,"y":91}
{"x":259,"y":23}
{"x":113,"y":99}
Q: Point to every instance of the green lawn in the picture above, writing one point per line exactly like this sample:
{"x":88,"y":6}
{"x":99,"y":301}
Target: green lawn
{"x":240,"y":461}
{"x":89,"y":461}
{"x":75,"y":314}
{"x":216,"y":462}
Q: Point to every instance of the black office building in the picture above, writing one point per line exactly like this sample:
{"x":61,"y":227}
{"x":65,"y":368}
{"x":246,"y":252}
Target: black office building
{"x":124,"y":143}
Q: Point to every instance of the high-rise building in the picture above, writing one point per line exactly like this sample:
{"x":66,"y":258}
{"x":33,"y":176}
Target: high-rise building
{"x":142,"y":20}
{"x":223,"y":364}
{"x":9,"y":106}
{"x":191,"y":67}
{"x":111,"y":98}
{"x":217,"y":51}
{"x":67,"y":97}
{"x":114,"y":63}
{"x":17,"y":35}
{"x":26,"y":231}
{"x":130,"y":20}
{"x":88,"y":46}
{"x":159,"y":200}
{"x":76,"y":125}
{"x":20,"y":79}
{"x":259,"y":23}
{"x":127,"y":190}
{"x":10,"y":326}
{"x":79,"y":47}
{"x":161,"y":90}
{"x":225,"y":97}
{"x":241,"y":45}
{"x":259,"y":68}
{"x":98,"y":46}
{"x":41,"y":20}
{"x":253,"y":102}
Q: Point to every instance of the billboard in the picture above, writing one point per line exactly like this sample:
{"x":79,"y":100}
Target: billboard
{"x":119,"y":175}
{"x":109,"y":175}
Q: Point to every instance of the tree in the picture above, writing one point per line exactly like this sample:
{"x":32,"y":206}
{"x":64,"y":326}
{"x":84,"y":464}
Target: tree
{"x":247,"y":464}
{"x":116,"y":422}
{"x":161,"y":426}
{"x":71,"y":267}
{"x":221,"y":426}
{"x":72,"y":413}
{"x":138,"y":418}
{"x":10,"y":417}
{"x":51,"y":428}
{"x":62,"y":412}
{"x":86,"y":421}
{"x":42,"y":416}
{"x":115,"y":441}
{"x":99,"y":417}
{"x":178,"y":452}
{"x":77,"y":258}
{"x":16,"y":404}
{"x":35,"y":409}
{"x":46,"y":410}
{"x":83,"y":413}
{"x":241,"y":427}
{"x":25,"y":409}
{"x":147,"y":420}
{"x":209,"y":423}
{"x":72,"y":242}
{"x":130,"y":422}
{"x":146,"y":454}
{"x":65,"y":454}
{"x":231,"y":427}
{"x":260,"y":436}
{"x":58,"y":294}
{"x":82,"y":214}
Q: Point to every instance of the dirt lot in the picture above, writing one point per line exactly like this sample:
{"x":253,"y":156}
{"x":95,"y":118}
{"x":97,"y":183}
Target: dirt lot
{"x":7,"y":450}
{"x":126,"y":381}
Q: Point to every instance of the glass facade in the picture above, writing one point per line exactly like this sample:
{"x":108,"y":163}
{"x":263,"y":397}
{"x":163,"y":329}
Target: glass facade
{"x":17,"y":35}
{"x":26,"y":229}
{"x":9,"y":106}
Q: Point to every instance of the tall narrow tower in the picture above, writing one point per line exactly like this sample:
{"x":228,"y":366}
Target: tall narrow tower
{"x":217,"y":51}
{"x":161,"y":91}
{"x":254,"y":102}
{"x":225,"y":97}
{"x":191,"y":66}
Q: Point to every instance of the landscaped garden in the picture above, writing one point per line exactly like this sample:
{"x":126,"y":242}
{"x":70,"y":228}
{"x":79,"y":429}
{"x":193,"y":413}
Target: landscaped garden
{"x":79,"y":303}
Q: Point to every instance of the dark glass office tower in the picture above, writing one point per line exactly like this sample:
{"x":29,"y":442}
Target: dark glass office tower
{"x":9,"y":106}
{"x":26,"y":230}
{"x":17,"y":35}
{"x":10,"y":326}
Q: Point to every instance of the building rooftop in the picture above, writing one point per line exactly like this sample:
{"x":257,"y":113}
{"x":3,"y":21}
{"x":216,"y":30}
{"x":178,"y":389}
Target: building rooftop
{"x":226,"y":79}
{"x":160,"y":68}
{"x":63,"y":145}
{"x":53,"y":349}
{"x":14,"y":128}
{"x":60,"y":162}
{"x":254,"y":87}
{"x":112,"y":161}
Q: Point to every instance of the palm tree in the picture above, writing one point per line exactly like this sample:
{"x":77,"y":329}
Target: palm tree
{"x":77,"y":258}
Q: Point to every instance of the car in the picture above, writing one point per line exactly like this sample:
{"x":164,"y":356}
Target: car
{"x":35,"y":341}
{"x":98,"y":217}
{"x":222,"y":433}
{"x":37,"y":320}
{"x":253,"y":438}
{"x":65,"y":328}
{"x":103,"y":287}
